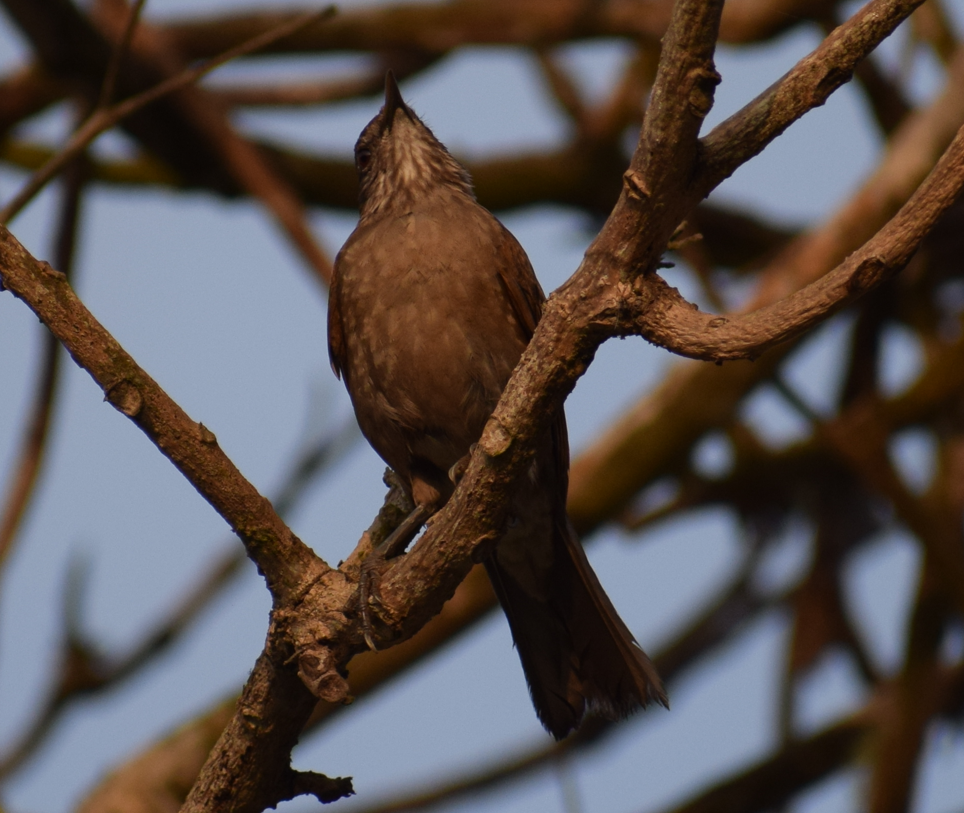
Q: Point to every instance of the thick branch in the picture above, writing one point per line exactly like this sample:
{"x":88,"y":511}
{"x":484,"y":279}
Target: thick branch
{"x":661,"y":429}
{"x":723,"y":617}
{"x":438,"y":28}
{"x":682,"y":97}
{"x":286,"y":562}
{"x":249,"y":770}
{"x":918,"y":695}
{"x":675,"y":324}
{"x":571,"y":176}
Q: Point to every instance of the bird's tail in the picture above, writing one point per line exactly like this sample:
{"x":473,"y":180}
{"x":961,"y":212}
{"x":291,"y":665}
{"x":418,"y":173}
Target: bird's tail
{"x":576,"y":652}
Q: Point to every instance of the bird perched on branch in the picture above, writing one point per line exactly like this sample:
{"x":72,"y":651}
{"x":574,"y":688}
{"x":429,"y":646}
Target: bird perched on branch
{"x":432,"y":303}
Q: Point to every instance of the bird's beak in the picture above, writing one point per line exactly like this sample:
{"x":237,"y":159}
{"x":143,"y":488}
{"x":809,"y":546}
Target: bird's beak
{"x":393,"y":101}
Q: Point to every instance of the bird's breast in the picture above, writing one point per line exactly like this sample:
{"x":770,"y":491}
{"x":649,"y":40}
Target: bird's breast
{"x":430,"y":335}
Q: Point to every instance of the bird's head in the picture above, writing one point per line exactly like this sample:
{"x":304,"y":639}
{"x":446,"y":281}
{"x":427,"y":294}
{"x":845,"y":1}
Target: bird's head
{"x":400,"y":161}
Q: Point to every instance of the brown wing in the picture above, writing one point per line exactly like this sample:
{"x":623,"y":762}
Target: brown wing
{"x":520,"y":283}
{"x":526,"y":298}
{"x":336,"y":330}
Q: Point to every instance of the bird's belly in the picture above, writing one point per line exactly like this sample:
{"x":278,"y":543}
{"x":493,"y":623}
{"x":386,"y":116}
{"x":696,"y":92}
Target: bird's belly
{"x":428,"y":360}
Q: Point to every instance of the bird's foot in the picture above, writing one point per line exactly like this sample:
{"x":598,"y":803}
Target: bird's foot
{"x":394,"y":544}
{"x":368,"y":590}
{"x":457,"y":472}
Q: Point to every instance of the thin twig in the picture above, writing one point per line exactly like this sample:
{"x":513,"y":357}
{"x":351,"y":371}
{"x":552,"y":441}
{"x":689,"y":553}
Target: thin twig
{"x":103,"y":120}
{"x":806,"y":86}
{"x":34,"y":444}
{"x":370,"y":82}
{"x":932,"y":25}
{"x":249,"y":166}
{"x":563,"y":87}
{"x":917,"y":698}
{"x":298,"y":94}
{"x":24,"y":92}
{"x":119,"y":53}
{"x":626,"y":103}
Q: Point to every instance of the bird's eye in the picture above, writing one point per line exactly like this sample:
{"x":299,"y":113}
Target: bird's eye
{"x":363,"y":158}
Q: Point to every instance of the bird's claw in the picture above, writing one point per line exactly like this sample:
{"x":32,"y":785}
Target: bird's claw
{"x":395,"y":544}
{"x":459,"y":467}
{"x":367,"y":590}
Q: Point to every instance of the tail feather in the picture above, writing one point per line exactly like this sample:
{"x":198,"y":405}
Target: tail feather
{"x":576,"y":652}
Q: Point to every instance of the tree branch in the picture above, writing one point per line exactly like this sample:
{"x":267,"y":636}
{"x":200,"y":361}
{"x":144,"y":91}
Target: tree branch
{"x":106,"y":118}
{"x":437,"y":29}
{"x":34,"y":443}
{"x":242,"y":159}
{"x":808,"y":85}
{"x":673,"y":323}
{"x":663,"y":426}
{"x":25,"y":92}
{"x":287,"y":564}
{"x":318,"y":634}
{"x":249,"y":769}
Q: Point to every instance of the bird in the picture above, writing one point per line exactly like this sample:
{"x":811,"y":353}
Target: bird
{"x":431,"y":305}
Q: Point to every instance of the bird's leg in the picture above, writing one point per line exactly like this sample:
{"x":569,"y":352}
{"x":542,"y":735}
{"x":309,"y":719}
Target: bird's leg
{"x":394,"y":544}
